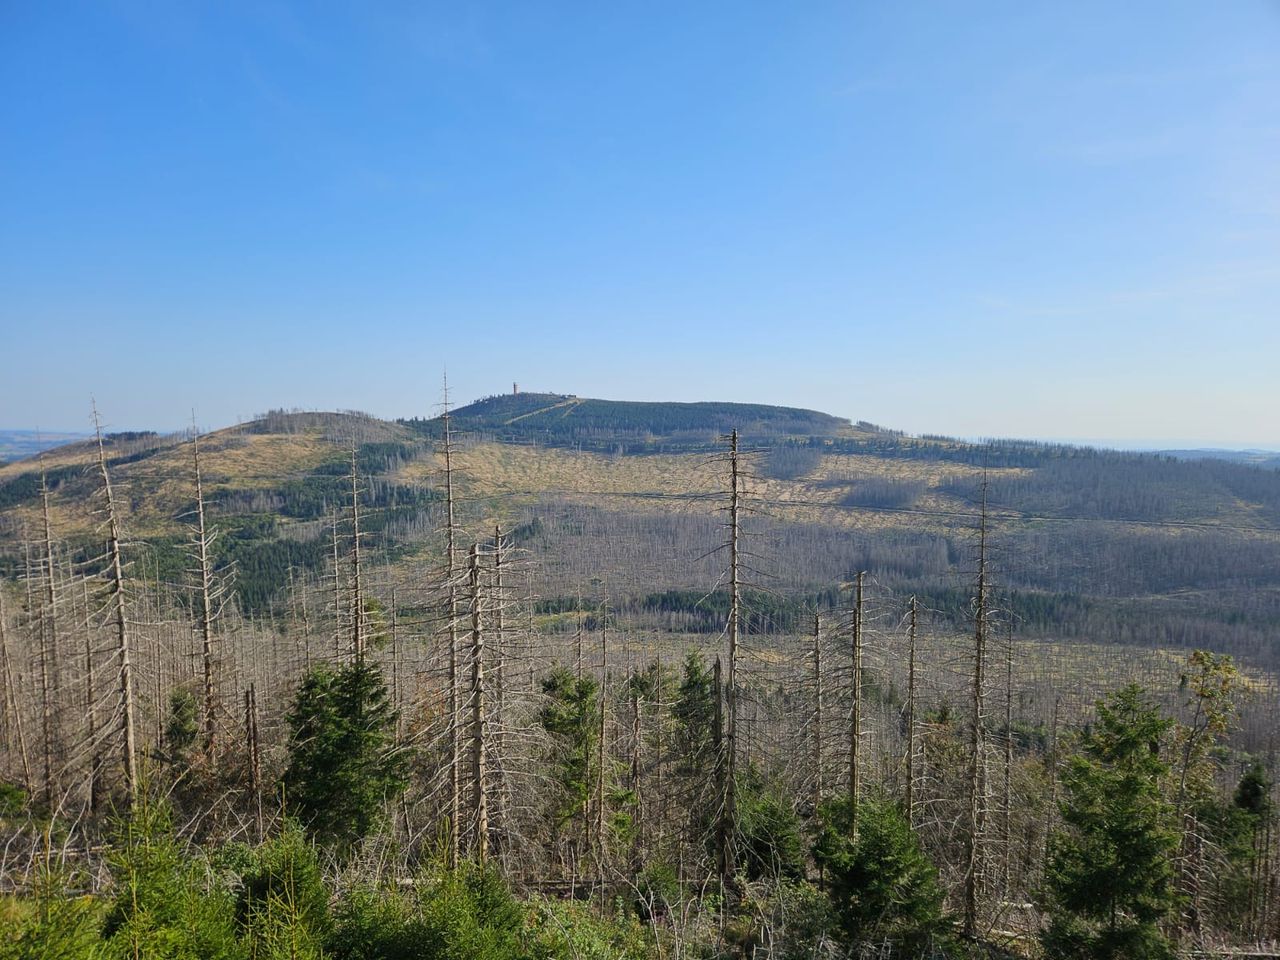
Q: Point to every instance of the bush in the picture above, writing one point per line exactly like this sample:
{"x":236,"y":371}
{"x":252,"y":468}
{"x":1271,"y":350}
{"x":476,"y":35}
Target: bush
{"x":54,"y":924}
{"x":343,"y":762}
{"x":373,"y":924}
{"x":883,"y":890}
{"x":470,"y":914}
{"x":283,"y":906}
{"x":787,"y":920}
{"x":769,"y":837}
{"x":1109,"y":879}
{"x":657,"y":890}
{"x":564,"y":930}
{"x":168,"y":904}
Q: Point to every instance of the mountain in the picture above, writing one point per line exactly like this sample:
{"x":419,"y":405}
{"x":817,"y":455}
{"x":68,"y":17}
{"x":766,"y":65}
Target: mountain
{"x":627,"y":498}
{"x":567,"y":420}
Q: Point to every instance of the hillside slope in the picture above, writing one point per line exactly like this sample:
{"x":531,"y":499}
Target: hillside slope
{"x":564,"y":419}
{"x":1087,"y":545}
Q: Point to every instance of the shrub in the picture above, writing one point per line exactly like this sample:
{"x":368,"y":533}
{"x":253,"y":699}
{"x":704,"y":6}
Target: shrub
{"x":1109,"y":877}
{"x":343,"y":763}
{"x":882,"y":887}
{"x":54,"y":924}
{"x":283,"y":906}
{"x":168,"y":905}
{"x":769,"y":836}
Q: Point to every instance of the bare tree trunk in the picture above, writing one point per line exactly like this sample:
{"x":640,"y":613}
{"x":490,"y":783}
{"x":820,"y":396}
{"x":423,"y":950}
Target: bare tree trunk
{"x":1007,"y":799}
{"x":255,"y":754}
{"x":817,"y":713}
{"x":305,"y":619}
{"x":855,"y":712}
{"x":1267,"y":880}
{"x":357,"y":589}
{"x":1051,"y":808}
{"x":500,"y":677}
{"x":911,"y":715}
{"x":205,"y":573}
{"x":337,"y":594}
{"x":600,"y":747}
{"x":128,"y":739}
{"x":397,"y":698}
{"x":729,"y":814}
{"x":637,"y":732}
{"x":48,"y":646}
{"x":817,"y":730}
{"x":578,"y":641}
{"x":975,"y":835}
{"x":660,"y":715}
{"x":91,"y":707}
{"x":11,"y":698}
{"x":725,"y":861}
{"x":395,"y":665}
{"x":479,"y":775}
{"x":455,"y":719}
{"x":151,"y":617}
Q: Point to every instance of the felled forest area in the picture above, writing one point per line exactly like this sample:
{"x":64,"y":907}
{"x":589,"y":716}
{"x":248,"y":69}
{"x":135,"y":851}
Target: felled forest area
{"x":457,"y":742}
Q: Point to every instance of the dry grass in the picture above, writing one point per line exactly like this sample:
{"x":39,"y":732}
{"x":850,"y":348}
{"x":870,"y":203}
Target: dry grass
{"x":656,"y":483}
{"x":152,"y":492}
{"x":157,"y":488}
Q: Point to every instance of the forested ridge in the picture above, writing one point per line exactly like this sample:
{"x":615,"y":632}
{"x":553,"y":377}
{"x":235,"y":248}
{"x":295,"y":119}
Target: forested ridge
{"x":554,"y":677}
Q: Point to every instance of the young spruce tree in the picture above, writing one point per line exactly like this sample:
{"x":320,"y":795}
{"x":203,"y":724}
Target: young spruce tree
{"x":1110,"y":880}
{"x":343,"y":761}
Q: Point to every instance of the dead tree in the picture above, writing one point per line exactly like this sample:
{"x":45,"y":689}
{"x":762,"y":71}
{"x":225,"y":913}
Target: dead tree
{"x":600,"y":743}
{"x":254,"y":751}
{"x":1007,"y":799}
{"x":206,"y":595}
{"x":1051,"y":761}
{"x":357,"y":588}
{"x":11,"y":699}
{"x":633,"y":780}
{"x":911,"y":714}
{"x":396,"y":699}
{"x":48,"y":645}
{"x":578,"y":642}
{"x":498,"y":602}
{"x":855,"y":711}
{"x":91,"y":708}
{"x":975,"y":835}
{"x":150,"y":602}
{"x":479,"y":773}
{"x":128,"y":742}
{"x":817,"y":713}
{"x":455,"y":745}
{"x":337,"y":591}
{"x":729,"y":806}
{"x":725,"y":864}
{"x":298,"y":615}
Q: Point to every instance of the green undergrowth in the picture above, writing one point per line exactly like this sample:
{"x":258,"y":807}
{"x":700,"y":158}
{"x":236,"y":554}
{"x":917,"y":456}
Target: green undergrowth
{"x":169,"y":901}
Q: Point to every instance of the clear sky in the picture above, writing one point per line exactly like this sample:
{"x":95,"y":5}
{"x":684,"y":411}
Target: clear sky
{"x":1016,"y":219}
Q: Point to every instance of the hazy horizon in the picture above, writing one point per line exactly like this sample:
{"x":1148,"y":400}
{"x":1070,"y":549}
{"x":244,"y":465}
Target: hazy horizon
{"x":1134,"y":444}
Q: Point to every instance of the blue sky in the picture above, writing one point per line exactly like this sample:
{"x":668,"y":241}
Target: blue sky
{"x":1050,"y":220}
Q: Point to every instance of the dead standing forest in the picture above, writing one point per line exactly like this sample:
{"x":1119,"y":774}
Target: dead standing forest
{"x":677,"y":668}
